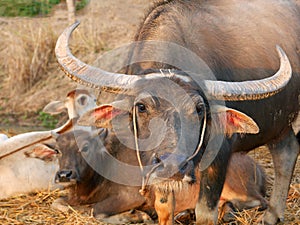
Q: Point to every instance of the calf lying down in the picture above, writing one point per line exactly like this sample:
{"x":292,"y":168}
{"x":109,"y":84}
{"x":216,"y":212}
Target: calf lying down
{"x":244,"y":188}
{"x":85,"y":185}
{"x":20,"y":174}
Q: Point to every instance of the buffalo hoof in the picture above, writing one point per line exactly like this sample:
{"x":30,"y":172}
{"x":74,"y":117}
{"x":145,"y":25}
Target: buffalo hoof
{"x":227,"y":213}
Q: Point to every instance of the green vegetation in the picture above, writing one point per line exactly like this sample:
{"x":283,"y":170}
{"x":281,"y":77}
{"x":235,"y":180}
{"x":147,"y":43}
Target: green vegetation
{"x":48,"y":121}
{"x":11,"y":8}
{"x":81,"y":4}
{"x":30,"y":8}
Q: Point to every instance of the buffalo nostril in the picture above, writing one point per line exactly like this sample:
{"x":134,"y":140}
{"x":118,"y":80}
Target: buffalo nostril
{"x":155,"y":159}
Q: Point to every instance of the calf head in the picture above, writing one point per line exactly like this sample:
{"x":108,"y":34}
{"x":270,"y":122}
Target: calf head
{"x":73,"y":150}
{"x":77,"y":102}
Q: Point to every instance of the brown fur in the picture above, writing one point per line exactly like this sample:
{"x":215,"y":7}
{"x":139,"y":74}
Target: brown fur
{"x":236,"y":39}
{"x":89,"y":187}
{"x":244,"y":188}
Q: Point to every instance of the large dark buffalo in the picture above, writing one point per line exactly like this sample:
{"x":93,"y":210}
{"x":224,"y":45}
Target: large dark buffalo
{"x":236,"y":39}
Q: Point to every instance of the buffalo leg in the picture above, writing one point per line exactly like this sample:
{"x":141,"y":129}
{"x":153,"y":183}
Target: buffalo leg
{"x":211,"y":185}
{"x":284,"y":154}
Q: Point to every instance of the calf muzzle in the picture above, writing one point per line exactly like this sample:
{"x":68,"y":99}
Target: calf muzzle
{"x":65,"y":176}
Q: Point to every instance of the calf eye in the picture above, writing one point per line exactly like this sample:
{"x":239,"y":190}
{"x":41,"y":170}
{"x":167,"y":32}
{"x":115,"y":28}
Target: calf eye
{"x":82,"y":100}
{"x":141,"y":107}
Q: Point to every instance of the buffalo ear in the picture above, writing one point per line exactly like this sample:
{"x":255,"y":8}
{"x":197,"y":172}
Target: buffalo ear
{"x":54,"y":107}
{"x":100,"y":116}
{"x":43,"y":152}
{"x":234,"y":121}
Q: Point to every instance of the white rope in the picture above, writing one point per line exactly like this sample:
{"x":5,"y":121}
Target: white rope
{"x":136,"y":142}
{"x":201,"y":138}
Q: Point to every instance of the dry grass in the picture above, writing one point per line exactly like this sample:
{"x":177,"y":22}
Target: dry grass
{"x":29,"y":74}
{"x":27,"y":53}
{"x":28,"y":62}
{"x":36,"y":209}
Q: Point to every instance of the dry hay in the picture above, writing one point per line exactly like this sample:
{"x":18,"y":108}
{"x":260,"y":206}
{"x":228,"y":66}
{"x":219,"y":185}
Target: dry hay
{"x":27,"y":49}
{"x":35,"y":208}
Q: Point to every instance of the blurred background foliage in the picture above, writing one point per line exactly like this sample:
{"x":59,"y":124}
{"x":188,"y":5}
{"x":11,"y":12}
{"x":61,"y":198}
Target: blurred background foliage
{"x":30,"y":8}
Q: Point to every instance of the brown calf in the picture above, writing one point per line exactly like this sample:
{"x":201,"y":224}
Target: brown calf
{"x":244,"y":188}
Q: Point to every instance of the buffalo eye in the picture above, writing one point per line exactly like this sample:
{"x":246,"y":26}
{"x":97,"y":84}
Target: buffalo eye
{"x":199,"y":110}
{"x":85,"y":148}
{"x":141,"y":107}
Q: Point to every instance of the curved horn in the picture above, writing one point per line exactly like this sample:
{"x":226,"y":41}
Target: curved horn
{"x":252,"y":90}
{"x":86,"y":74}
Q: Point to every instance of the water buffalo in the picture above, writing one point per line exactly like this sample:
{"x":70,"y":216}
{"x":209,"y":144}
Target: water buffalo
{"x":76,"y":149}
{"x":244,"y":187}
{"x":20,"y":172}
{"x":236,"y":40}
{"x":76,"y":103}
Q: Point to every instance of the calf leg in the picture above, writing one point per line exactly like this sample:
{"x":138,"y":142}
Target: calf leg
{"x":284,"y":154}
{"x":128,"y":217}
{"x":117,"y":203}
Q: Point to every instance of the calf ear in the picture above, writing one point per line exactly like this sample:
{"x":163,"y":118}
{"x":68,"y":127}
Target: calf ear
{"x":233,"y":121}
{"x":54,"y":107}
{"x":100,"y":116}
{"x":43,"y":152}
